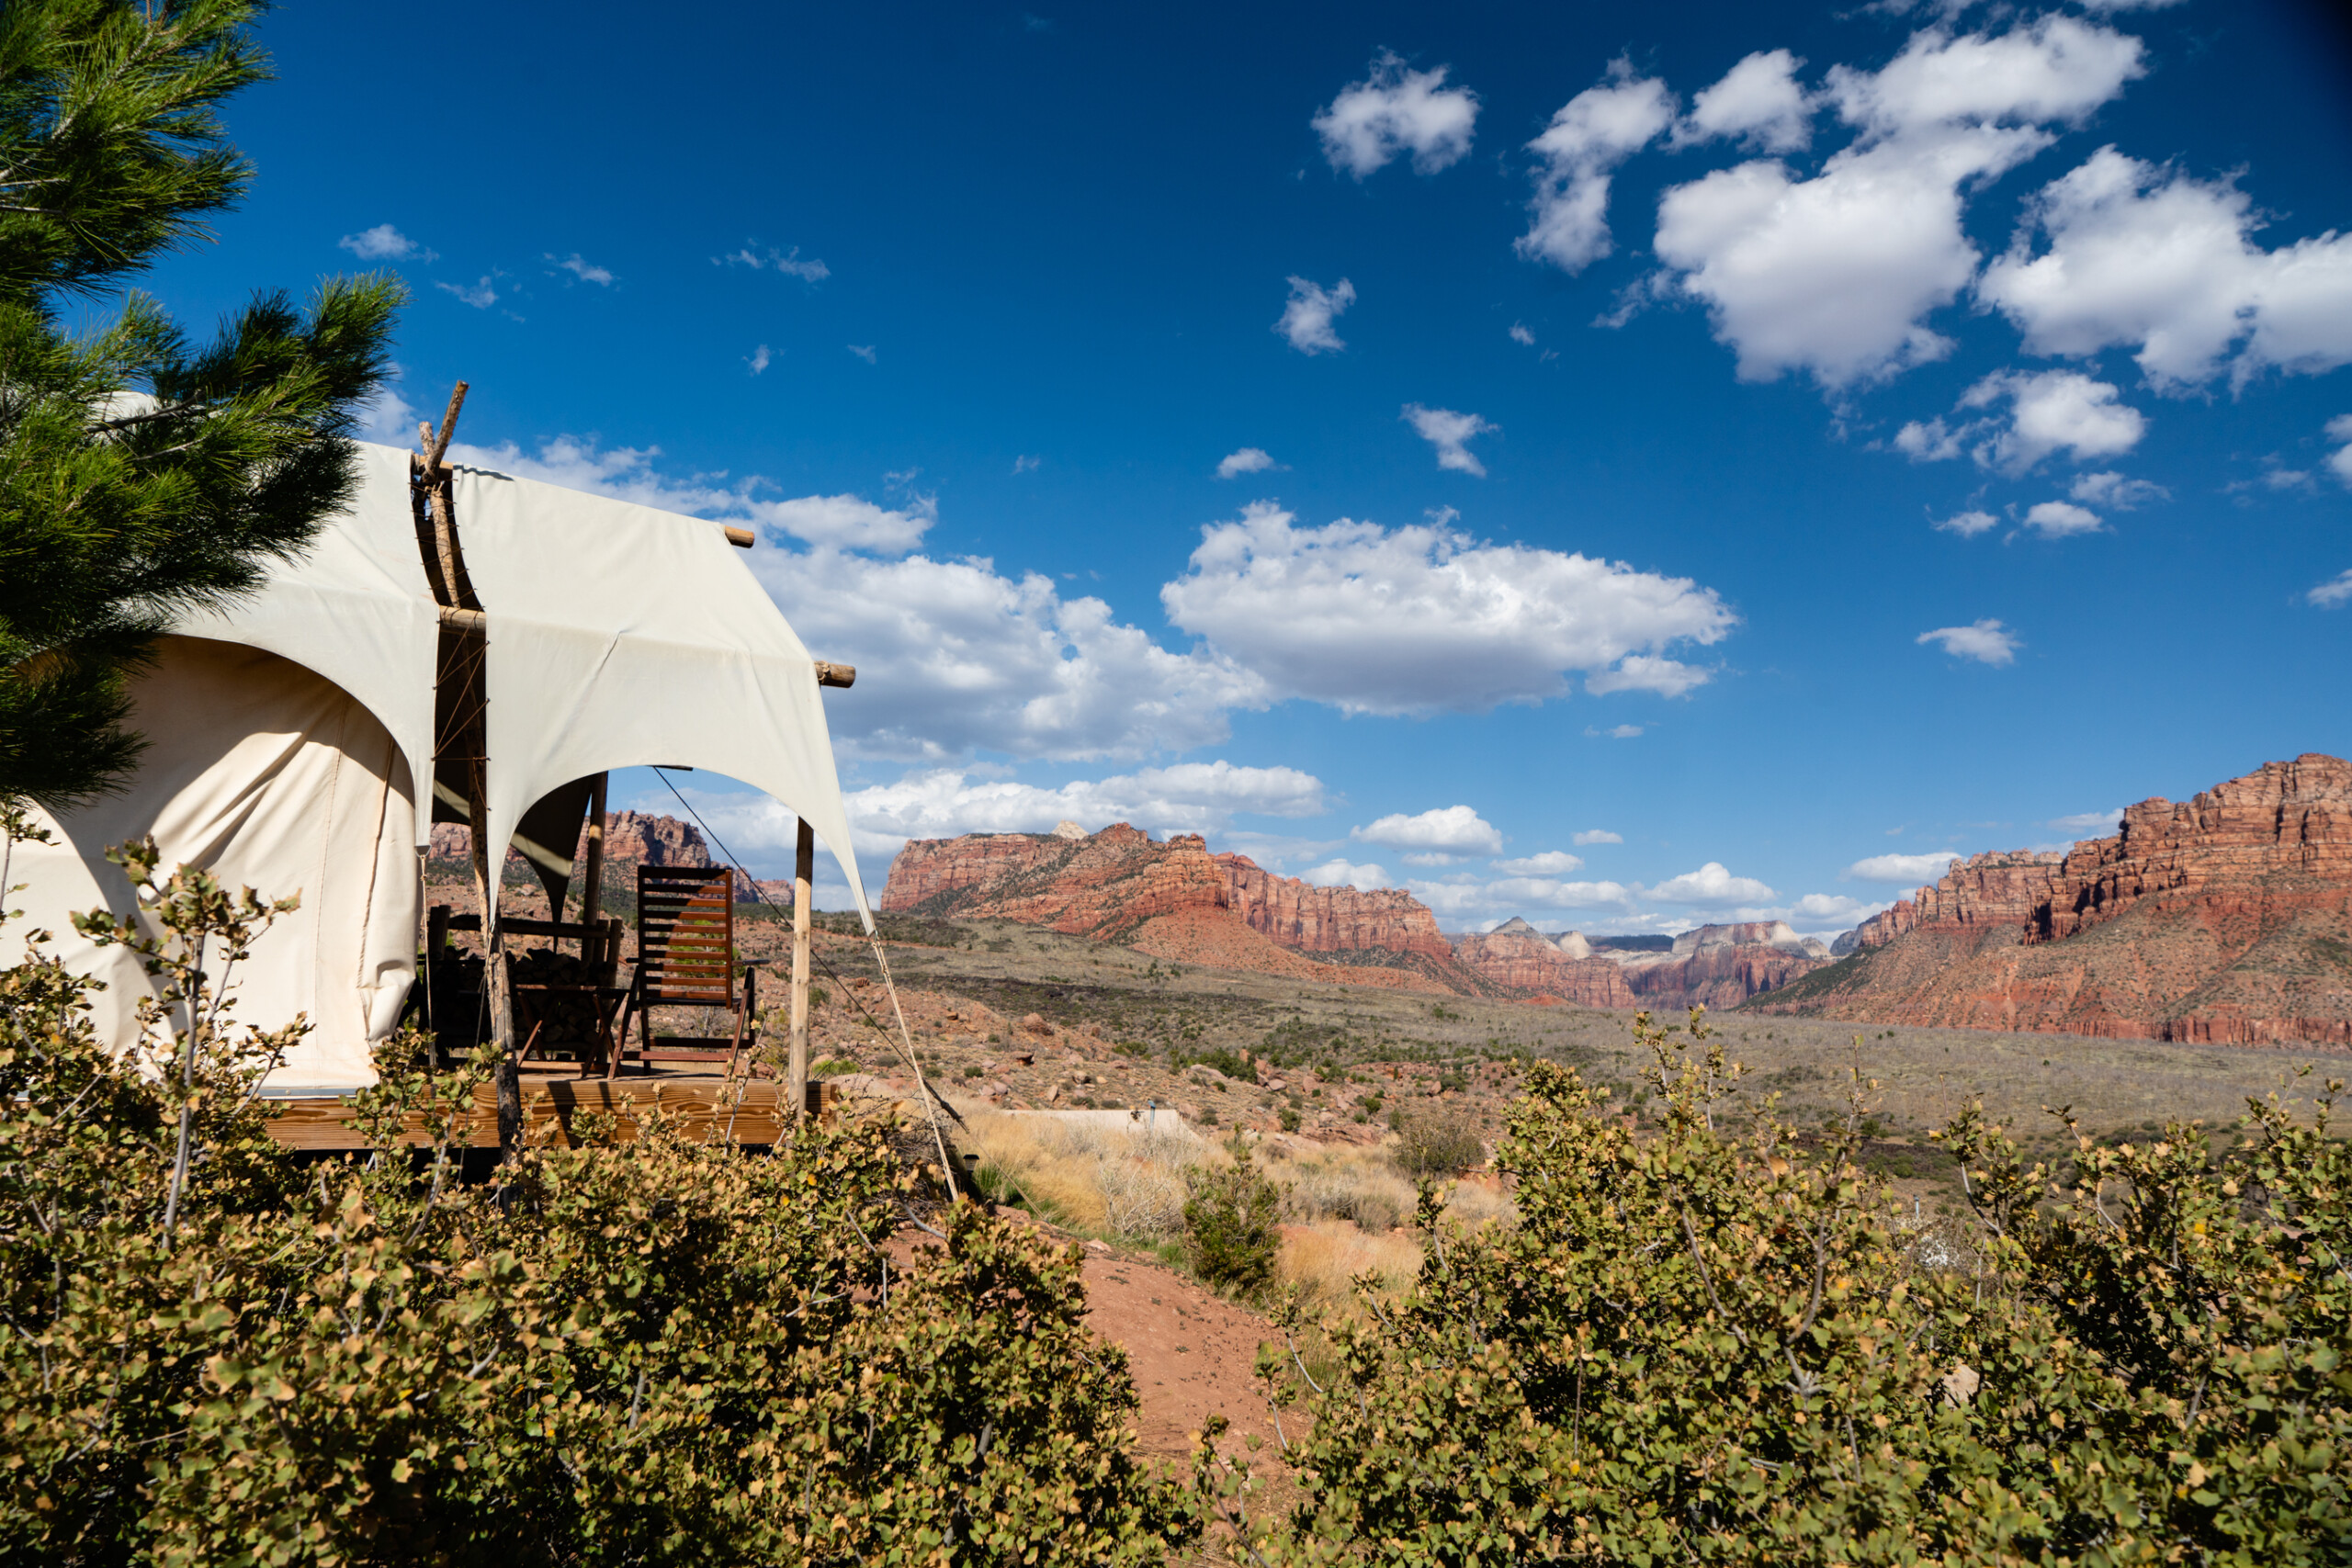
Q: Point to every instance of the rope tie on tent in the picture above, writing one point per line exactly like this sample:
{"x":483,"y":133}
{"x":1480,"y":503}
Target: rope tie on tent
{"x":923,"y":1091}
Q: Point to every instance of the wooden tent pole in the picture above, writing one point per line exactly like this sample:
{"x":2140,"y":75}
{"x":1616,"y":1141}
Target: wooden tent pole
{"x":804,"y":865}
{"x":592,"y":886}
{"x":457,"y":600}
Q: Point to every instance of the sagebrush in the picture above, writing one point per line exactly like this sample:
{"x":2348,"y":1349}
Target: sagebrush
{"x":656,"y":1352}
{"x":1694,"y":1347}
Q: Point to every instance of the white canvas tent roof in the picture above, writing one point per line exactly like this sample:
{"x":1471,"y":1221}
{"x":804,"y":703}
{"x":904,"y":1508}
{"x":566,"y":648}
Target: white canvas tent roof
{"x":290,"y":737}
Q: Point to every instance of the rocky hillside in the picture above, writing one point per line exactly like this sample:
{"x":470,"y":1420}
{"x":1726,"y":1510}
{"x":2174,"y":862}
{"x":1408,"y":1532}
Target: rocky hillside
{"x":1714,"y":966}
{"x":2225,"y":919}
{"x":1175,"y":899}
{"x":1518,"y":955}
{"x":1721,"y":966}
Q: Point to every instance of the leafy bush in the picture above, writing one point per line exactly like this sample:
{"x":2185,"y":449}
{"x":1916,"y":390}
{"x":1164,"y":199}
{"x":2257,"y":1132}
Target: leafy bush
{"x":1438,"y":1140}
{"x":1230,"y":1237}
{"x":1695,"y":1348}
{"x":657,"y":1351}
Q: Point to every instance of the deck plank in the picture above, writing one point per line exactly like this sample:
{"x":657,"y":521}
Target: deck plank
{"x":704,"y":1106}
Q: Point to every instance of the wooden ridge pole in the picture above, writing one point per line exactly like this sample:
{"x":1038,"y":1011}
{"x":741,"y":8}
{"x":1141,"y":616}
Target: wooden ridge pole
{"x":804,"y":865}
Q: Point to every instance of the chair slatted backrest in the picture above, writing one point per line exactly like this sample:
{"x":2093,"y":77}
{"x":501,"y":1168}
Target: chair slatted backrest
{"x":685,"y":934}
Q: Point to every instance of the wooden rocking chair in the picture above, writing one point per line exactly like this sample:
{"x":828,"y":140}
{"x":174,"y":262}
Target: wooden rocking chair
{"x":685,"y":947}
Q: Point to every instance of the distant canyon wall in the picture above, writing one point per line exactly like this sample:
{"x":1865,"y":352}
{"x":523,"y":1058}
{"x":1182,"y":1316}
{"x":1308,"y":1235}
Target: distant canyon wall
{"x":2226,"y":918}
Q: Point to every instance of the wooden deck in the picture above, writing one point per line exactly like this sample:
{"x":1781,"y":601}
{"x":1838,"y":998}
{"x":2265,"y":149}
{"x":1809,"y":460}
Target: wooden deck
{"x":707,"y":1106}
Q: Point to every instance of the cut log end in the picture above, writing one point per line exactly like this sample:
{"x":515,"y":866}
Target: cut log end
{"x":741,"y":539}
{"x":836,"y":674}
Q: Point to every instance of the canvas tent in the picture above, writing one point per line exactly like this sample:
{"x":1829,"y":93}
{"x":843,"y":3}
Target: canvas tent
{"x":288,"y":736}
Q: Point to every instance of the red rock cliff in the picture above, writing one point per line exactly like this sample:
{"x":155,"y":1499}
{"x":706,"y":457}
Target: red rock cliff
{"x":2227,"y":918}
{"x":1107,"y":885}
{"x":1523,"y":958}
{"x":1330,"y":920}
{"x":1099,"y":887}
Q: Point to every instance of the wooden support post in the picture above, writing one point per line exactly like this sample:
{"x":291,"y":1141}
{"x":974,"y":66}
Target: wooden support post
{"x":436,"y":938}
{"x":495,"y":980}
{"x":804,"y":865}
{"x":592,"y":885}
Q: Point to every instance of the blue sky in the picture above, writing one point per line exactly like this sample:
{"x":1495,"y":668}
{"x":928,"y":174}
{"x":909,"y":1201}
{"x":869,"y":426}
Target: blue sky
{"x":1622,"y":466}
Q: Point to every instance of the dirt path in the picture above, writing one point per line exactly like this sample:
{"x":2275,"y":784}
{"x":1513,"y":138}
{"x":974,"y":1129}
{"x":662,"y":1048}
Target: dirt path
{"x":1193,"y":1353}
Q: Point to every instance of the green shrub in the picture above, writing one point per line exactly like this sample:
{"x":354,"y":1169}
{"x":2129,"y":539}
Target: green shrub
{"x":1697,"y":1348}
{"x":1438,"y":1140}
{"x":656,"y":1351}
{"x":1230,"y":1235}
{"x":1289,"y":1118}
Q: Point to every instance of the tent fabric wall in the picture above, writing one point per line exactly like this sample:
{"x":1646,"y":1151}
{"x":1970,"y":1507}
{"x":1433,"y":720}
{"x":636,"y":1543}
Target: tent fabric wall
{"x":356,"y":609}
{"x":654,"y":644}
{"x":285,"y":730}
{"x":269,"y":776}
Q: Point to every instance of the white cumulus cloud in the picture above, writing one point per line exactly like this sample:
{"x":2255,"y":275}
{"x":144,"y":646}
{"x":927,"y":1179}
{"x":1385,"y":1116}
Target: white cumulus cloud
{"x":770,"y":259}
{"x":585,"y":271}
{"x":1591,"y":134}
{"x":2054,"y":410}
{"x":1451,"y":434}
{"x":1394,"y":111}
{"x":2339,"y":461}
{"x":1968,"y":524}
{"x":1423,"y":617}
{"x":384,"y":242}
{"x":1909,"y":871}
{"x":1192,"y":797}
{"x":1645,"y":672}
{"x":2113,"y":489}
{"x":850,"y":521}
{"x":961,"y":658}
{"x":1712,"y":886}
{"x":1835,"y":274}
{"x":1988,"y":642}
{"x":2088,"y":822}
{"x":2334,"y":594}
{"x":482,"y":296}
{"x":1819,"y":911}
{"x":1597,"y":836}
{"x":2141,"y":257}
{"x":1346,"y":874}
{"x":1249,"y":460}
{"x":1307,"y":319}
{"x":1757,"y":102}
{"x":1454,"y":832}
{"x":2062,"y":519}
{"x":1550,"y":862}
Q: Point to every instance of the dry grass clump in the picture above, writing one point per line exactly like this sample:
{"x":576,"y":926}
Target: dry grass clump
{"x":1478,"y":1201}
{"x":1324,"y":1259}
{"x":1125,"y":1181}
{"x":1360,"y":1185}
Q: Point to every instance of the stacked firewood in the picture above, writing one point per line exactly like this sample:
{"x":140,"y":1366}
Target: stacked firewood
{"x":565,"y":1021}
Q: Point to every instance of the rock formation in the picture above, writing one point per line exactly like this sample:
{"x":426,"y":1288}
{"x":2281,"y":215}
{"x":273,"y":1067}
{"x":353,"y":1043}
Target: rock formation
{"x":1120,"y":884}
{"x":1518,"y":955}
{"x":2227,"y":918}
{"x":1330,"y":920}
{"x":1719,"y":967}
{"x":1102,"y":886}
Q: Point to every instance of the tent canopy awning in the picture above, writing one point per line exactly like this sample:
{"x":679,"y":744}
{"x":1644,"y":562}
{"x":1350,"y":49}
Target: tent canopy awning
{"x":617,"y":635}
